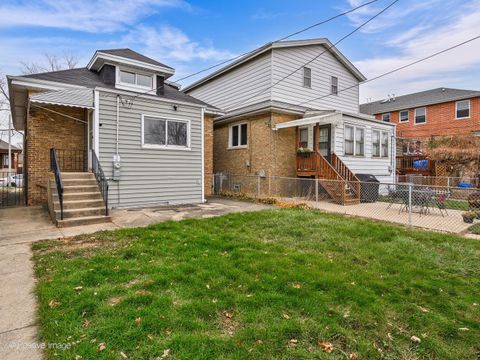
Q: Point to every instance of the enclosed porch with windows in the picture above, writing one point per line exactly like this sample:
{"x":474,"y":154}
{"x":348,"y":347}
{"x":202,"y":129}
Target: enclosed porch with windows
{"x":336,"y":146}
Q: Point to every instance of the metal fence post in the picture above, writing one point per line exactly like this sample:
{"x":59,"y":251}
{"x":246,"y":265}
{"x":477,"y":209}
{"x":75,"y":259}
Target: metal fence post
{"x":410,"y":204}
{"x":448,"y":185}
{"x":316,"y":191}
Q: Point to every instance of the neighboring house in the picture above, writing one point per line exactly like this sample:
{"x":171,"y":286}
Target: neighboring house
{"x":266,"y":122}
{"x":15,"y":161}
{"x":423,"y":115}
{"x":153,"y":142}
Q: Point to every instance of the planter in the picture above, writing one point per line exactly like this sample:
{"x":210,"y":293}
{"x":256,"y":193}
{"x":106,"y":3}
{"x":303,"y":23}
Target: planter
{"x":468,"y":219}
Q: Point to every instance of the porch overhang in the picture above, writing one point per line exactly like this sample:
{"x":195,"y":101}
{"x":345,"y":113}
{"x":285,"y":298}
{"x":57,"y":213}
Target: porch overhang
{"x":334,"y":117}
{"x":80,"y":98}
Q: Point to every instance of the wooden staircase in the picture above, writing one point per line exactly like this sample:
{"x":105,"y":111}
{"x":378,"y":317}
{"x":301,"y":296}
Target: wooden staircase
{"x":83,"y":203}
{"x":336,"y":178}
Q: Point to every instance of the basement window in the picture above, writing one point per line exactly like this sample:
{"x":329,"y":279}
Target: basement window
{"x":238,"y":136}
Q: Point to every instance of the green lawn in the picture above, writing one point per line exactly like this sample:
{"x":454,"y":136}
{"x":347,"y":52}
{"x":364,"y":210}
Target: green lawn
{"x":273,"y":284}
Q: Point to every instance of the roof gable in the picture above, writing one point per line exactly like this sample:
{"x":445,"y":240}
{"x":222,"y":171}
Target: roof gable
{"x":279,"y":44}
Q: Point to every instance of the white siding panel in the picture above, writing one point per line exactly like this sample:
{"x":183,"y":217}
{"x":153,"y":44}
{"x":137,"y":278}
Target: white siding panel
{"x":233,"y":89}
{"x":291,"y":89}
{"x":149,"y":176}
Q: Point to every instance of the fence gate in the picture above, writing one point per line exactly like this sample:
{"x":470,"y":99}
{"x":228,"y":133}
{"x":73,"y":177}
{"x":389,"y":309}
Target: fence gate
{"x":12,"y":192}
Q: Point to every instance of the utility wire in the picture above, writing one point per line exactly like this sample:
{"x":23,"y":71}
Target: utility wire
{"x":281,"y":39}
{"x":314,"y":58}
{"x":394,"y":70}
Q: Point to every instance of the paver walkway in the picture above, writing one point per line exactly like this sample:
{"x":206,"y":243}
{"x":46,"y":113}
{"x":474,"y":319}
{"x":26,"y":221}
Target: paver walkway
{"x":21,"y":226}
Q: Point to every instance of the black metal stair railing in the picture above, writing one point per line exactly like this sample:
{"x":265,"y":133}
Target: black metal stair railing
{"x":101,"y":179}
{"x":55,"y":168}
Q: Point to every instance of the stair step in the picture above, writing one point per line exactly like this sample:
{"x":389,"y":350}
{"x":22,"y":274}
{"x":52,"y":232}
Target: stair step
{"x":95,"y":195}
{"x":79,"y":204}
{"x":76,"y":175}
{"x":84,"y":220}
{"x":80,"y":212}
{"x":80,"y":188}
{"x":73,"y":182}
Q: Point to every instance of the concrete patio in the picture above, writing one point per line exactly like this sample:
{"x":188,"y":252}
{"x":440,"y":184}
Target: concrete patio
{"x":21,"y":226}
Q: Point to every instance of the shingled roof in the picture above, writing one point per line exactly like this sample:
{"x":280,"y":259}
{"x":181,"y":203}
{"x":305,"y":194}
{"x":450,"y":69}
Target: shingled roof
{"x":423,"y":98}
{"x":130,"y":54}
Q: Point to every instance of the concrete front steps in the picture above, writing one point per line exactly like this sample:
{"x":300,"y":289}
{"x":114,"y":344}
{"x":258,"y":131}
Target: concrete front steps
{"x":82,"y":201}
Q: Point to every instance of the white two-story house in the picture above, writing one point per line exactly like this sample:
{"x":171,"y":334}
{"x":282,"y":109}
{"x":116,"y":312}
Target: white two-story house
{"x":292,"y":109}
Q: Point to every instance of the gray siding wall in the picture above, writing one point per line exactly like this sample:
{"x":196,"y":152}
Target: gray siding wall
{"x":291,"y":90}
{"x":149,"y":176}
{"x":234,"y":89}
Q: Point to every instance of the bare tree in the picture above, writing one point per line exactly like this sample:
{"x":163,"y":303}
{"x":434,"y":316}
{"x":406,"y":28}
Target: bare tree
{"x":52,"y":63}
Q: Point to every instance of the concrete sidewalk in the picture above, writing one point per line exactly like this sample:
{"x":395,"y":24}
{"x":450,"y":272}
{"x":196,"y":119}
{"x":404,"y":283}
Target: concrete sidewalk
{"x":21,"y":226}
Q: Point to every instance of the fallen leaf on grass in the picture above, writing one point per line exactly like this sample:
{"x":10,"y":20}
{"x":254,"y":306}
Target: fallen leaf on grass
{"x":285,"y":316}
{"x":292,"y":342}
{"x":86,"y":323}
{"x":78,"y":357}
{"x":150,"y":336}
{"x":123,"y":355}
{"x":352,"y":356}
{"x":464,"y":329}
{"x":297,"y":286}
{"x":165,"y":354}
{"x":102,"y":346}
{"x":416,"y":339}
{"x":53,"y":303}
{"x":138,"y":320}
{"x":228,"y":314}
{"x":423,"y":309}
{"x":326,"y":346}
{"x":78,"y":288}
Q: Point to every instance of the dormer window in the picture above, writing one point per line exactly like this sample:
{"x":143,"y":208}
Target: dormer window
{"x":132,"y":80}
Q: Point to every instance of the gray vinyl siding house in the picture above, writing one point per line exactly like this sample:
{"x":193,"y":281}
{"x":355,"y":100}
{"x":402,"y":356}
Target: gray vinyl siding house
{"x":150,"y":175}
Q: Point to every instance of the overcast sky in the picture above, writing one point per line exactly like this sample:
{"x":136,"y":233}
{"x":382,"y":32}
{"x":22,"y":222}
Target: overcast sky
{"x":192,"y":35}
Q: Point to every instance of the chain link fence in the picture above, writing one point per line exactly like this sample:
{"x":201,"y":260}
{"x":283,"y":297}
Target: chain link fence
{"x":441,"y":208}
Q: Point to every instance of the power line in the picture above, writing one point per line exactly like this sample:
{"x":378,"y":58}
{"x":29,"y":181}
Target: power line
{"x":314,"y":58}
{"x":281,"y":39}
{"x":394,"y":70}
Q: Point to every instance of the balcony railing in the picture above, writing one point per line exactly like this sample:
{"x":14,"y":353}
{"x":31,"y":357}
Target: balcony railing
{"x":413,"y":164}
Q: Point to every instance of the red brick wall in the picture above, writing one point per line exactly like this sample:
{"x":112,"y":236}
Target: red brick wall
{"x":47,"y":130}
{"x":440,"y":121}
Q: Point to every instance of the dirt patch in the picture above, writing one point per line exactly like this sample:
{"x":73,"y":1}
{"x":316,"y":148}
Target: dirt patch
{"x":228,"y":323}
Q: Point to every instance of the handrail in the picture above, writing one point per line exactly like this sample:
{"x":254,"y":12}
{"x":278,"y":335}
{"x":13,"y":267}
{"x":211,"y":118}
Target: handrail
{"x":352,"y":180}
{"x":55,"y":168}
{"x":101,"y":179}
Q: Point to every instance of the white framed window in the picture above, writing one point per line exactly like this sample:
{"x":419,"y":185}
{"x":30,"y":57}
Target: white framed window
{"x":238,"y":136}
{"x":403,"y":116}
{"x":307,"y":77}
{"x":380,"y":143}
{"x":420,"y":115}
{"x":462,"y":109}
{"x":385,"y":141}
{"x":354,"y":139}
{"x":386,"y":117}
{"x":334,"y":85}
{"x":165,"y":133}
{"x":303,"y":137}
{"x":133,"y":80}
{"x":376,"y":144}
{"x":349,"y":140}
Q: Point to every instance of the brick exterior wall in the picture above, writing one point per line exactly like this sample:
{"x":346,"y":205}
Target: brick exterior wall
{"x":271,"y":151}
{"x":47,"y":130}
{"x":208,"y":154}
{"x":440,"y":121}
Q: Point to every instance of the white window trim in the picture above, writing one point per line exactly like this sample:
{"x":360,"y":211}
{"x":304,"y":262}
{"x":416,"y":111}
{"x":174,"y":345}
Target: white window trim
{"x":166,"y":146}
{"x":469,"y":110}
{"x":389,"y":117}
{"x":230,"y":137}
{"x":415,"y":116}
{"x":305,"y":77}
{"x":132,"y":87}
{"x":355,"y":127}
{"x":400,"y":116}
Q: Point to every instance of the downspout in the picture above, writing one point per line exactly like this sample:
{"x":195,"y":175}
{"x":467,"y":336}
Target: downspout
{"x":203,"y":155}
{"x":118,"y":124}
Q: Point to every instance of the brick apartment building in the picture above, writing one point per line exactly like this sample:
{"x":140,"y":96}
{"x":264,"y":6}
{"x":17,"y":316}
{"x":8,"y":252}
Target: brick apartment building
{"x":423,"y":115}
